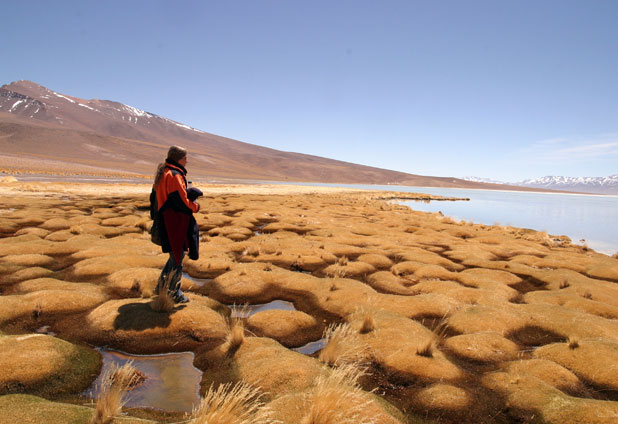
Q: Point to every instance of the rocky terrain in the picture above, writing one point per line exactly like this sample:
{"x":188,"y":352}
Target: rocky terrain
{"x":449,"y":322}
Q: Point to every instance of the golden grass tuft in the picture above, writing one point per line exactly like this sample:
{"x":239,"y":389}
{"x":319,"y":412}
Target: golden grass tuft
{"x":426,"y":350}
{"x":235,"y":338}
{"x":342,"y":345}
{"x":573,"y":342}
{"x":236,"y":330}
{"x":163,"y":302}
{"x":367,"y":314}
{"x":240,"y":404}
{"x":368,"y":324}
{"x":115,"y":383}
{"x":338,"y":399}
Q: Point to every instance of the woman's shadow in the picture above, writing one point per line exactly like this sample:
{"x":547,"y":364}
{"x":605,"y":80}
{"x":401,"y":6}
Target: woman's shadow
{"x":140,"y":316}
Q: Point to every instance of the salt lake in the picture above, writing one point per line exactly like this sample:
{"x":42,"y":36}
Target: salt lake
{"x":591,"y":218}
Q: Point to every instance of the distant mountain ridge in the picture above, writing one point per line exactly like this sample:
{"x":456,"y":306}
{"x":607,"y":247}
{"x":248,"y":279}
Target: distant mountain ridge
{"x":42,"y":130}
{"x":599,"y":185}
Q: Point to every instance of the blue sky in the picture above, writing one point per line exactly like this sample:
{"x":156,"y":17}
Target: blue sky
{"x":499,"y":89}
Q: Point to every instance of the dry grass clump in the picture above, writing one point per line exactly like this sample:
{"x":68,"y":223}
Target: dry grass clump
{"x":236,"y":330}
{"x":342,"y":345}
{"x":367,"y":315}
{"x":573,"y":343}
{"x":235,"y":338}
{"x":368,"y":324}
{"x":163,"y":302}
{"x":376,"y":260}
{"x":240,"y":404}
{"x":29,"y":260}
{"x":290,"y":328}
{"x":115,"y":383}
{"x":338,"y":399}
{"x":344,"y":268}
{"x":426,"y":350}
{"x":483,"y":347}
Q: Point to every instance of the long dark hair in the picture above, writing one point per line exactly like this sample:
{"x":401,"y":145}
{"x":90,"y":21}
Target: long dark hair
{"x":175,"y":153}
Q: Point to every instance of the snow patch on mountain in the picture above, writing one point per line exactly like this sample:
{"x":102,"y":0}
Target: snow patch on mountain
{"x":15,"y":105}
{"x":64,"y":97}
{"x":482,"y":180}
{"x":87,"y":107}
{"x":610,"y":181}
{"x":600,"y":185}
{"x":137,"y":112}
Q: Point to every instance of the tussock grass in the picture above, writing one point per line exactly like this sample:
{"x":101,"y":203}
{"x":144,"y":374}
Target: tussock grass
{"x":240,"y":404}
{"x":115,"y":383}
{"x":426,"y":350}
{"x":368,"y":324}
{"x":235,"y":338}
{"x":367,"y":314}
{"x":338,"y":399}
{"x":236,"y":330}
{"x":163,"y":302}
{"x":573,"y":342}
{"x":343,"y":346}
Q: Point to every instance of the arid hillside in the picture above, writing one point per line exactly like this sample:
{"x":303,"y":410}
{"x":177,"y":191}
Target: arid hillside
{"x":45,"y":131}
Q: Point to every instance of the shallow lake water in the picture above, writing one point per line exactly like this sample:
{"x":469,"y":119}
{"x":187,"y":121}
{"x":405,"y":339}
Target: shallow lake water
{"x":245,"y":311}
{"x":311,"y":347}
{"x":589,"y":219}
{"x":592,"y":218}
{"x":171,"y":381}
{"x":198,"y":281}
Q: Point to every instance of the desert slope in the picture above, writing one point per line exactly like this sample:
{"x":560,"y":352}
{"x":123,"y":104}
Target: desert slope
{"x":39,"y":125}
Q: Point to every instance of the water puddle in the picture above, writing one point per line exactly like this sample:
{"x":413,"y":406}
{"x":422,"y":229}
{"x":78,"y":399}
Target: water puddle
{"x":258,"y":231}
{"x":197,"y":281}
{"x":171,"y":381}
{"x":311,"y":347}
{"x":245,"y":311}
{"x":45,"y":330}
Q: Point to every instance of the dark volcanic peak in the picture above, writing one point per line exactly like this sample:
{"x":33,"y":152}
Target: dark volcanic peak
{"x":18,"y":102}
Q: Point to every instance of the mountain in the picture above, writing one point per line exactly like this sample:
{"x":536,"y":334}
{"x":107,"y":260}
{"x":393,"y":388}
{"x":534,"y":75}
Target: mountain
{"x":45,"y":131}
{"x":482,"y":180}
{"x":601,"y":185}
{"x":598,"y":185}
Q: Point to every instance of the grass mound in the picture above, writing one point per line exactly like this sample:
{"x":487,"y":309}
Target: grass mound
{"x":45,"y":365}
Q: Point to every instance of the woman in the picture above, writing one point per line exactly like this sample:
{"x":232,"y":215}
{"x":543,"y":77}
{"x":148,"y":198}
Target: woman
{"x":174,"y":211}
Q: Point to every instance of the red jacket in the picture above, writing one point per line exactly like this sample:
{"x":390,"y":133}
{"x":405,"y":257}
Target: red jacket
{"x":175,"y":209}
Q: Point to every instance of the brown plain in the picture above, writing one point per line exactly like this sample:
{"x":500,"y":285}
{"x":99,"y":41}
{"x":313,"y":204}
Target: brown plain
{"x":449,"y":322}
